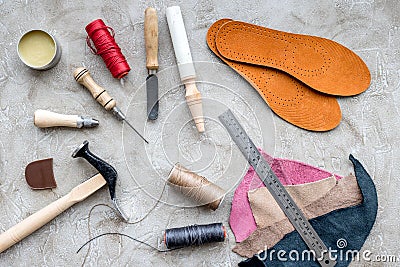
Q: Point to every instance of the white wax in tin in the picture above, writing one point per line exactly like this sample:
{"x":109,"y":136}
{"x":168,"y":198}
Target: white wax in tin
{"x":37,"y":48}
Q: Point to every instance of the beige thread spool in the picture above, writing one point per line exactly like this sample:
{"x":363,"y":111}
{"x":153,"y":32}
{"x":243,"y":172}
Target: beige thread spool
{"x":196,"y":187}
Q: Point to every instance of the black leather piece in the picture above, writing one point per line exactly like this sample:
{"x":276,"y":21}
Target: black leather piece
{"x":352,"y":224}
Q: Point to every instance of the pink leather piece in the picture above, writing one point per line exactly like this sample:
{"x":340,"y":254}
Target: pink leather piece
{"x":289,"y":172}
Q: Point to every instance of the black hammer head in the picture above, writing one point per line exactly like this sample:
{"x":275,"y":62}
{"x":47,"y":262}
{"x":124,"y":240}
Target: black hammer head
{"x":105,"y":169}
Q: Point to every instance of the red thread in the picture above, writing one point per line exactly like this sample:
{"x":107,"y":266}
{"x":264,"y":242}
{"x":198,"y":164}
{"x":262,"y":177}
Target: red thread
{"x":102,"y":37}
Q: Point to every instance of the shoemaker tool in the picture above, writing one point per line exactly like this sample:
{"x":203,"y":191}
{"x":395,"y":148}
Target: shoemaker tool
{"x":100,"y":94}
{"x":185,"y":64}
{"x":46,"y":214}
{"x":45,"y":118}
{"x":108,"y":175}
{"x":275,"y":187}
{"x":105,"y":169}
{"x":151,"y":40}
{"x":77,"y":194}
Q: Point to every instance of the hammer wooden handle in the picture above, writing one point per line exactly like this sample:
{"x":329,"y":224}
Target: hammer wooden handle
{"x":45,"y":215}
{"x":83,"y":77}
{"x":151,"y":38}
{"x":45,"y":118}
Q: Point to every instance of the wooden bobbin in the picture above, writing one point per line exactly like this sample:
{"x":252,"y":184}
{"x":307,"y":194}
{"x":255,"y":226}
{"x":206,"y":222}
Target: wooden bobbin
{"x":196,"y":187}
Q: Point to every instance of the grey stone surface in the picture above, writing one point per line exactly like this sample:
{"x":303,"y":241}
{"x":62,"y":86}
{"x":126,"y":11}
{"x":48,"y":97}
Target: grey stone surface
{"x":368,"y":129}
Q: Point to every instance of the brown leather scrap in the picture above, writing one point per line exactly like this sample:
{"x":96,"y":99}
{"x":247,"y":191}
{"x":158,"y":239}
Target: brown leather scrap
{"x":346,"y":193}
{"x":39,"y":174}
{"x":290,"y":99}
{"x":266,"y":210}
{"x":322,"y":64}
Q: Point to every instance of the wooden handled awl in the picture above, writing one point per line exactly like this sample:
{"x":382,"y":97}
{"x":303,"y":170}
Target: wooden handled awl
{"x":151,"y":41}
{"x":185,"y":64}
{"x":100,"y":94}
{"x":44,"y":119}
{"x":45,"y":215}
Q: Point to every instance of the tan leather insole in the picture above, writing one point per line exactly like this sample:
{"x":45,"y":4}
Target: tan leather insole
{"x":290,"y":99}
{"x":322,"y":64}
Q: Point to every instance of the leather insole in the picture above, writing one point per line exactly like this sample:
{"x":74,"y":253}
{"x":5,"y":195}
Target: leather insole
{"x":290,"y":99}
{"x":322,"y":64}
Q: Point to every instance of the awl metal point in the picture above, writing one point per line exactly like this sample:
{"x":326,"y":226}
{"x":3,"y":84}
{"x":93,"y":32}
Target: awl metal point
{"x":100,"y":94}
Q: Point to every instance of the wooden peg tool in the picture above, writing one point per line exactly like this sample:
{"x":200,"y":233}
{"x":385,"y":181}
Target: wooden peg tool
{"x":185,"y":64}
{"x":45,"y":118}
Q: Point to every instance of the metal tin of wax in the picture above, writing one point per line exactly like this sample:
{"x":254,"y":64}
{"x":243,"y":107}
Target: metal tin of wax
{"x":39,"y":50}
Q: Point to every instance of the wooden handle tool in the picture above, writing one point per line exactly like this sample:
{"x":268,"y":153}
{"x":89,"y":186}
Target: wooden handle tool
{"x":151,"y":41}
{"x":100,"y":94}
{"x":45,"y":215}
{"x":185,"y":64}
{"x":45,"y":118}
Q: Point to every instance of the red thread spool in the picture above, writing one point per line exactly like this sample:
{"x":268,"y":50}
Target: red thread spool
{"x":102,"y":37}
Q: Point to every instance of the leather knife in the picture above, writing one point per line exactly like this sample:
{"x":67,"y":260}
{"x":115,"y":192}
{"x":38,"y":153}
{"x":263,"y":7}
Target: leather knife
{"x":151,"y":42}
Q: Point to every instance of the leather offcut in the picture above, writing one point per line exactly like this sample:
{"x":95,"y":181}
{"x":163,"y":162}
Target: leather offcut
{"x":352,"y":224}
{"x":344,"y":194}
{"x":287,"y":97}
{"x":289,"y":172}
{"x":322,"y":64}
{"x":266,"y":210}
{"x":39,"y":174}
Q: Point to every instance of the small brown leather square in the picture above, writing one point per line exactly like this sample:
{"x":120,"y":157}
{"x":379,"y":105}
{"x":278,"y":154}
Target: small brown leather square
{"x":39,"y":174}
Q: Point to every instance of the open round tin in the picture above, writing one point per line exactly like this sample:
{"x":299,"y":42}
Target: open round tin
{"x":39,"y":50}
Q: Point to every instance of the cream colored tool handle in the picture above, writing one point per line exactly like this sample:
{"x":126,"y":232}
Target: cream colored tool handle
{"x":185,"y":64}
{"x":180,"y":43}
{"x":151,"y":38}
{"x":83,"y":77}
{"x":44,"y":118}
{"x":45,"y":215}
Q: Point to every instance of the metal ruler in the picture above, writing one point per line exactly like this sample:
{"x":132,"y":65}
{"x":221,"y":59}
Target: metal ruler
{"x":275,"y":187}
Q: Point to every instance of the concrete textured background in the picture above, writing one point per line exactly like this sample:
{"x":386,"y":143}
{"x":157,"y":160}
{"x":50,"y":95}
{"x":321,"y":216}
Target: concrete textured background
{"x":368,"y":129}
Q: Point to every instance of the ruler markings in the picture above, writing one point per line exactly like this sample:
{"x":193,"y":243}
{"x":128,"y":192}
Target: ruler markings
{"x":271,"y":181}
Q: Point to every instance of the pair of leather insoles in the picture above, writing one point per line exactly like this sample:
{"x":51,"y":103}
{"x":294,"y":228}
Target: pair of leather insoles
{"x":296,"y":75}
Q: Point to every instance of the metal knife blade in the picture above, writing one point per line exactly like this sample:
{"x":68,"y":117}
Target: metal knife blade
{"x":152,"y":96}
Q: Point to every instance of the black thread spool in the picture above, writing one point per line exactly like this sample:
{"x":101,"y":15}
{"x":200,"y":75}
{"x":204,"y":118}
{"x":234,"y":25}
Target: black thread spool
{"x":194,"y":235}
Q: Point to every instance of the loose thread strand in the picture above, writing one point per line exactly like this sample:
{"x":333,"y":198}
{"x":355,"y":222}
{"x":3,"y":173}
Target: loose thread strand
{"x":125,"y":235}
{"x":116,"y":212}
